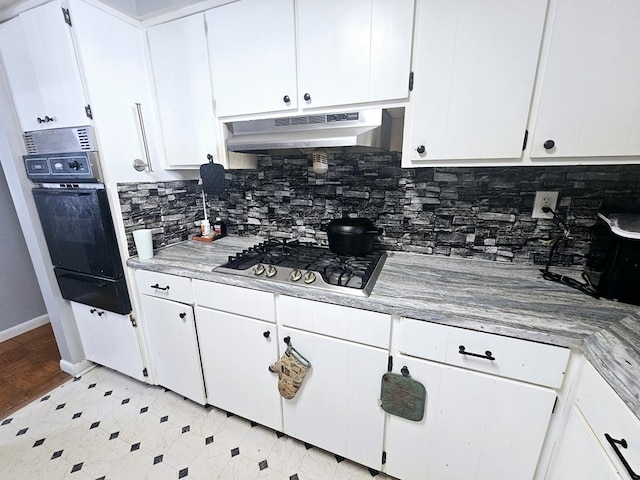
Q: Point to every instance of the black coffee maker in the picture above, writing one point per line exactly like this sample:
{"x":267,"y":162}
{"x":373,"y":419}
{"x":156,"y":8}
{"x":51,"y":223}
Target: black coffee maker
{"x":620,"y":277}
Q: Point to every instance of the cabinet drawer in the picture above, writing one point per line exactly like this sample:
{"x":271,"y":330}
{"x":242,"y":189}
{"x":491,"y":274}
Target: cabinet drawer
{"x":512,"y":358}
{"x":237,"y":300}
{"x":606,"y":413}
{"x":361,"y":326}
{"x":164,"y":286}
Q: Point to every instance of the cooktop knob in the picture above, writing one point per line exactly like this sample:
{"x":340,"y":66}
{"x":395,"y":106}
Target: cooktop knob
{"x":258,"y":269}
{"x":309,"y":277}
{"x":271,"y":271}
{"x":295,"y":275}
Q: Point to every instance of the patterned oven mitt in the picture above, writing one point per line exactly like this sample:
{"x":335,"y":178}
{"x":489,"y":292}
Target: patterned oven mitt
{"x":291,"y":369}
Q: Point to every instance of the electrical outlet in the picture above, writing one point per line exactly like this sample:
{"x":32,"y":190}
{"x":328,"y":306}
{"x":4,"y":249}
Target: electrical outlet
{"x":544,"y":199}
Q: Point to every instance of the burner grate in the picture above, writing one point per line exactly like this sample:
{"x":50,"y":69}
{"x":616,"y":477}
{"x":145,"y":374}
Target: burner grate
{"x":341,"y":273}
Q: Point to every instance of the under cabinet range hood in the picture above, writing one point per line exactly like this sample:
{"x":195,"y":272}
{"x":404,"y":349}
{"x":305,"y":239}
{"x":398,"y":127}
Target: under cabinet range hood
{"x":366,"y":130}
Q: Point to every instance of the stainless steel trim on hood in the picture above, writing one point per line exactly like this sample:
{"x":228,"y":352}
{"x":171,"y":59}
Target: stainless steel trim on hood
{"x":367,"y":129}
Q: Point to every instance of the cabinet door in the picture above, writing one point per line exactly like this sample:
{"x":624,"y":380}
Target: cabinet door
{"x":608,"y":415}
{"x":253,"y":56}
{"x":180,"y":65}
{"x":337,"y":407}
{"x":353,"y":51}
{"x":476,"y":426}
{"x":109,"y":339}
{"x":173,"y":347}
{"x":21,"y":75}
{"x":113,"y":54}
{"x":580,"y":455}
{"x":42,"y":70}
{"x":474,"y":66}
{"x":236,"y":353}
{"x":590,"y":100}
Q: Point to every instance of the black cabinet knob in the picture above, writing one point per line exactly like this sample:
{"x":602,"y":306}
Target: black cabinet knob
{"x":47,"y":118}
{"x":93,"y":310}
{"x":307,"y":97}
{"x":421,"y":149}
{"x":266,"y":334}
{"x":40,"y":120}
{"x":549,"y":144}
{"x":286,"y":99}
{"x":182,"y":315}
{"x":100,"y":314}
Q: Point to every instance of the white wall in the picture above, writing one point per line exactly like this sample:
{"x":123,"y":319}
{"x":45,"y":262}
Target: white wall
{"x":20,"y":297}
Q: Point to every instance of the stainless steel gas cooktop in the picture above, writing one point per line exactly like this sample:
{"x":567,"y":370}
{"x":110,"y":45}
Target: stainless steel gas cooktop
{"x":307,"y":265}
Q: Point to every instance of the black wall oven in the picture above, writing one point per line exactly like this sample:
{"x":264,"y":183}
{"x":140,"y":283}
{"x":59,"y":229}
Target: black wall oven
{"x":78,"y":228}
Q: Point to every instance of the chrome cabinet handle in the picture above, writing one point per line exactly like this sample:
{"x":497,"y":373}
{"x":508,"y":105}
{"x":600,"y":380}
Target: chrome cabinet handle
{"x":488,"y":355}
{"x":623,"y":443}
{"x":138,"y":164}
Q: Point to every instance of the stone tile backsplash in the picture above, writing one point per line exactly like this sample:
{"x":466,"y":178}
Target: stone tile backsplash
{"x":482,"y":212}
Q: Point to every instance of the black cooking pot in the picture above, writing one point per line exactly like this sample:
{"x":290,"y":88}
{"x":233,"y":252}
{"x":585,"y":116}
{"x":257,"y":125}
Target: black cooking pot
{"x":352,"y":236}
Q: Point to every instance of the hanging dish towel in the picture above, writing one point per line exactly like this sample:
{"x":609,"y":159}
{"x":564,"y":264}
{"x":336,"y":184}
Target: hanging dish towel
{"x":291,"y":369}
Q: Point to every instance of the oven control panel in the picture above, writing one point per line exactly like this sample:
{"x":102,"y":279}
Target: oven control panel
{"x":63,"y":167}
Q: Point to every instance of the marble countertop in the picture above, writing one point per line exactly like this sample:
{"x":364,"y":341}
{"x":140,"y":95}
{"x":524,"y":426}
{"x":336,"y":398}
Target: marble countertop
{"x":493,"y":297}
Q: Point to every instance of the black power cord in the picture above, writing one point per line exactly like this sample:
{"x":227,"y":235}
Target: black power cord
{"x":586,"y":286}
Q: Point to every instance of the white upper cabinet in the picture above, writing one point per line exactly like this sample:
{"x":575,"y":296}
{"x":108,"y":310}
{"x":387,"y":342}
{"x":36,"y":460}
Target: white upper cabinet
{"x":42,"y":70}
{"x":348,"y":52}
{"x":353,"y":51}
{"x":253,"y":56}
{"x":474,"y":65}
{"x":590,"y":98}
{"x":112,"y":52}
{"x":180,"y":63}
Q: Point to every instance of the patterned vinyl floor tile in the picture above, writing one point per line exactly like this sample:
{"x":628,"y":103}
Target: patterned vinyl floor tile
{"x":107,"y":426}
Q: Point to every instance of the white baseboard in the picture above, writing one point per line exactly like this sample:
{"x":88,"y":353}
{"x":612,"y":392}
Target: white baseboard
{"x":76,"y":368}
{"x":24,"y":327}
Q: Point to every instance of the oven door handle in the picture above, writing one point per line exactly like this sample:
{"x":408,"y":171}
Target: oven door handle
{"x":85,"y":279}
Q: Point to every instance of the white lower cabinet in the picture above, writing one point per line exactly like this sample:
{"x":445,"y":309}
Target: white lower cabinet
{"x":337,"y":407}
{"x":580,"y":455}
{"x":602,"y":438}
{"x":173,"y":346}
{"x":476,"y":426}
{"x":236,"y":353}
{"x":109,"y":339}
